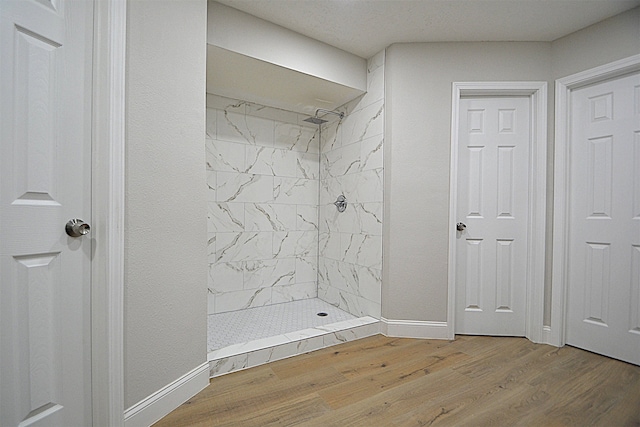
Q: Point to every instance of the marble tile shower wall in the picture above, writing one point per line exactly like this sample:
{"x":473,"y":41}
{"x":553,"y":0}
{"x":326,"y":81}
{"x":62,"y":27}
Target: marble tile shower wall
{"x":350,"y":243}
{"x":262,"y":179}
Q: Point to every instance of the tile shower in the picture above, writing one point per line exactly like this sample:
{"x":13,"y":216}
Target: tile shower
{"x":274,"y":234}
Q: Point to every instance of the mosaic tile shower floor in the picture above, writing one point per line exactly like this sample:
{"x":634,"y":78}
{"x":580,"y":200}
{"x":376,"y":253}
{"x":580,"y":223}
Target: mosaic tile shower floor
{"x":225,"y":329}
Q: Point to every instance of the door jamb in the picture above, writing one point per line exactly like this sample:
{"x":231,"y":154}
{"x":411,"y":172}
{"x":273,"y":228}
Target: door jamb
{"x":537,"y":93}
{"x":564,"y":87}
{"x":107,"y":177}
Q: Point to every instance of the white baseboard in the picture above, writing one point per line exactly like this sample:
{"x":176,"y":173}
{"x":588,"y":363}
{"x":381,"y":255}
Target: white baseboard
{"x":154,"y":407}
{"x":414,"y":329}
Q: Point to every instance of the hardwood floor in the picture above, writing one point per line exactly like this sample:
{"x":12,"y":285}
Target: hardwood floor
{"x":380,"y":381}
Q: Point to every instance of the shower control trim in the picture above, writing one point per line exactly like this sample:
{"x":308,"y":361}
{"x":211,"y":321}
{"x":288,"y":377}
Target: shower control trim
{"x":341,"y":203}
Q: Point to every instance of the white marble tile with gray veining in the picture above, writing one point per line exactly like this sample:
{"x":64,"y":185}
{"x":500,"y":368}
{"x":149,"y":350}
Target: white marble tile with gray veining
{"x":368,"y":186}
{"x":270,"y":161}
{"x":245,"y":246}
{"x":242,"y":187}
{"x":363,"y":123}
{"x":295,"y":243}
{"x":217,"y":102}
{"x":295,"y":292}
{"x":340,"y":275}
{"x":371,"y":153}
{"x":269,"y":217}
{"x":296,"y":138}
{"x":356,"y":305}
{"x":306,"y":269}
{"x":375,"y":80}
{"x":306,"y":217}
{"x":369,"y":217}
{"x":226,"y":277}
{"x":227,"y":365}
{"x":272,"y":113}
{"x":307,"y":166}
{"x":239,"y":300}
{"x":234,"y":127}
{"x":223,"y":156}
{"x":210,"y":122}
{"x":225,"y":217}
{"x":269,"y":273}
{"x":331,"y":136}
{"x":341,"y":161}
{"x":211,"y":247}
{"x":211,"y":186}
{"x":296,"y":191}
{"x":370,"y":283}
{"x":329,"y":245}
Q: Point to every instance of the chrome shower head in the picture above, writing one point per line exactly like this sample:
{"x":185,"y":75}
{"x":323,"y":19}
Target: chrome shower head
{"x":315,"y":120}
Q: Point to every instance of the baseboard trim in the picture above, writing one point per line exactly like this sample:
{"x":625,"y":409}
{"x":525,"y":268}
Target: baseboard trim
{"x":154,"y":407}
{"x":414,"y":329}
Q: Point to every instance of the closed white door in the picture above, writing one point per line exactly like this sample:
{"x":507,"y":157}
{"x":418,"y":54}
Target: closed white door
{"x":603,"y":311}
{"x":45,"y":180}
{"x":492,"y":207}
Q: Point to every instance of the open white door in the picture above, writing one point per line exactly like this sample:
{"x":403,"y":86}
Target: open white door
{"x":45,"y":180}
{"x":494,"y":140}
{"x":603,"y":310}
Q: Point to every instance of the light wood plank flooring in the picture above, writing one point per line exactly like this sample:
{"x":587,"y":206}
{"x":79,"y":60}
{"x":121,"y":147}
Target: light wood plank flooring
{"x":380,"y":381}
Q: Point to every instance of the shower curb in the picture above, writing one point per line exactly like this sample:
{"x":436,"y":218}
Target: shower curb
{"x":255,"y":353}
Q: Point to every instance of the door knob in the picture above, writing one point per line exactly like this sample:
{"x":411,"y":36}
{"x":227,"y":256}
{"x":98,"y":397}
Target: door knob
{"x":461,"y":226}
{"x":77,"y":228}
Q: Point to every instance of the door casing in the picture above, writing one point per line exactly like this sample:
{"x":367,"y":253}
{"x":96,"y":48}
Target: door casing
{"x":555,"y":335}
{"x":107,"y":268}
{"x":537,"y":93}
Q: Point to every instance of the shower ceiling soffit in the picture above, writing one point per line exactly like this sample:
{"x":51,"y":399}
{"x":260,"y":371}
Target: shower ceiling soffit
{"x":238,"y":76}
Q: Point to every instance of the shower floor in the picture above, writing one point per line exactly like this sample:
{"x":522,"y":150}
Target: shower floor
{"x":252,"y":324}
{"x":241,"y":339}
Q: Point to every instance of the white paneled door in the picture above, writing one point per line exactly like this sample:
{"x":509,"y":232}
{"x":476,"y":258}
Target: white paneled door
{"x":492,"y":214}
{"x":45,"y":180}
{"x":603,"y":310}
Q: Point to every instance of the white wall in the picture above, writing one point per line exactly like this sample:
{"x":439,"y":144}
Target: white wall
{"x":607,"y":41}
{"x":418,"y":98}
{"x":242,"y":33}
{"x":417,"y":128}
{"x":165,"y":211}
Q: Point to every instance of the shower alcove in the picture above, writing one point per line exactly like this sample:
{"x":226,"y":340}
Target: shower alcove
{"x":279,"y":250}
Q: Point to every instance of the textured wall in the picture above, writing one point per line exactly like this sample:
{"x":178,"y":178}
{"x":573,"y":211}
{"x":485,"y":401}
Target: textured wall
{"x":165,"y":212}
{"x":419,"y":78}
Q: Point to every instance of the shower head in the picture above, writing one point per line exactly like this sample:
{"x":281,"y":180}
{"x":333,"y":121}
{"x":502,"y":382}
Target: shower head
{"x":315,"y":120}
{"x":318,"y":121}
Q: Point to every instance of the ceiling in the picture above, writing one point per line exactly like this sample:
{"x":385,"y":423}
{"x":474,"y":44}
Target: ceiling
{"x":364,"y":27}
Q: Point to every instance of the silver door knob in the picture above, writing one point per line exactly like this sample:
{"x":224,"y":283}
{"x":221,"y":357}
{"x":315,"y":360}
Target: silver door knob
{"x":461,"y":226}
{"x":77,"y":228}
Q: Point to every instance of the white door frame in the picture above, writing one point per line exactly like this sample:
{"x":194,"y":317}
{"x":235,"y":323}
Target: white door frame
{"x":107,"y":268}
{"x":537,"y":93}
{"x":564,"y":87}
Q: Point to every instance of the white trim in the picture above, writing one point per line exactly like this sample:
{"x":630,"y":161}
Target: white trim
{"x":107,"y":311}
{"x":564,"y":86}
{"x":414,"y":329}
{"x":537,"y":92}
{"x":152,"y":408}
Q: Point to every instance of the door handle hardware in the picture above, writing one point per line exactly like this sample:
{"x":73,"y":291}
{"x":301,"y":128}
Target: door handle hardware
{"x":461,"y":226}
{"x":77,"y":228}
